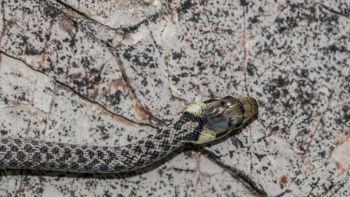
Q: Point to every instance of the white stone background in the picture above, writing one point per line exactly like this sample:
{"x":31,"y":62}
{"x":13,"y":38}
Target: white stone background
{"x":111,"y":72}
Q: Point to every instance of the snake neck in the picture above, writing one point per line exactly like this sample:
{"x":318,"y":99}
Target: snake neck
{"x":187,"y":128}
{"x":154,"y":147}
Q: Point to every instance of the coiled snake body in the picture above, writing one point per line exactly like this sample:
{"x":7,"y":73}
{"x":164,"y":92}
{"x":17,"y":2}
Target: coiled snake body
{"x":201,"y":122}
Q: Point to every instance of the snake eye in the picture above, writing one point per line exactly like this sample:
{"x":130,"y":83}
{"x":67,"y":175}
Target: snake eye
{"x":219,"y":124}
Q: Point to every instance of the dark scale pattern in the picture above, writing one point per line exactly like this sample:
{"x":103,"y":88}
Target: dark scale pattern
{"x":39,"y":155}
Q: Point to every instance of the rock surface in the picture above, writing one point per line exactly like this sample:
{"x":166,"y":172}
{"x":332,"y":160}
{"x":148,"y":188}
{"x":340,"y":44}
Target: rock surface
{"x":112,"y":72}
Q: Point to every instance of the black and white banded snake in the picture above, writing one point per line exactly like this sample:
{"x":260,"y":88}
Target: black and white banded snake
{"x":200,"y":123}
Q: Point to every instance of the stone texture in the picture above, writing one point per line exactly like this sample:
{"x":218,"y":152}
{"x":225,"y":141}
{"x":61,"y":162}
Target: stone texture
{"x":112,"y":72}
{"x":119,"y":14}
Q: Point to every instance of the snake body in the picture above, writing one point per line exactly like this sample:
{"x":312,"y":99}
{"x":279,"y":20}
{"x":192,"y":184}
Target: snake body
{"x":200,"y":123}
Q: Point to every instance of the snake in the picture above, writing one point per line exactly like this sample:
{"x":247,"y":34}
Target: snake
{"x":200,"y":123}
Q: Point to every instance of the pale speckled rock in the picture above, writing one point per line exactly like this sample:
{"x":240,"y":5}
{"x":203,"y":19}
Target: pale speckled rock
{"x":68,"y":53}
{"x":145,"y":64}
{"x":119,"y":14}
{"x":294,"y":57}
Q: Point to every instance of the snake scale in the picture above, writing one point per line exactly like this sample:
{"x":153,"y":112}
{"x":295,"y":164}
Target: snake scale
{"x":200,"y":123}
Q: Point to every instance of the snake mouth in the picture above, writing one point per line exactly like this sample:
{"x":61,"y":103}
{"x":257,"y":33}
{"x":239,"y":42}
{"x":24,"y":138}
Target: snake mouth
{"x":250,"y":107}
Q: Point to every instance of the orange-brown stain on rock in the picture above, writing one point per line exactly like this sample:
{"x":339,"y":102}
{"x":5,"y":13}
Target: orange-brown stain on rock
{"x":123,"y":121}
{"x":141,"y":112}
{"x":120,"y":85}
{"x":341,"y":138}
{"x":310,"y":134}
{"x":68,"y":25}
{"x":340,"y":154}
{"x":340,"y":168}
{"x":283,"y":181}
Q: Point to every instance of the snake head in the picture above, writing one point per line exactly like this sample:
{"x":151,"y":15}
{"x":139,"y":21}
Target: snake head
{"x":223,"y":115}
